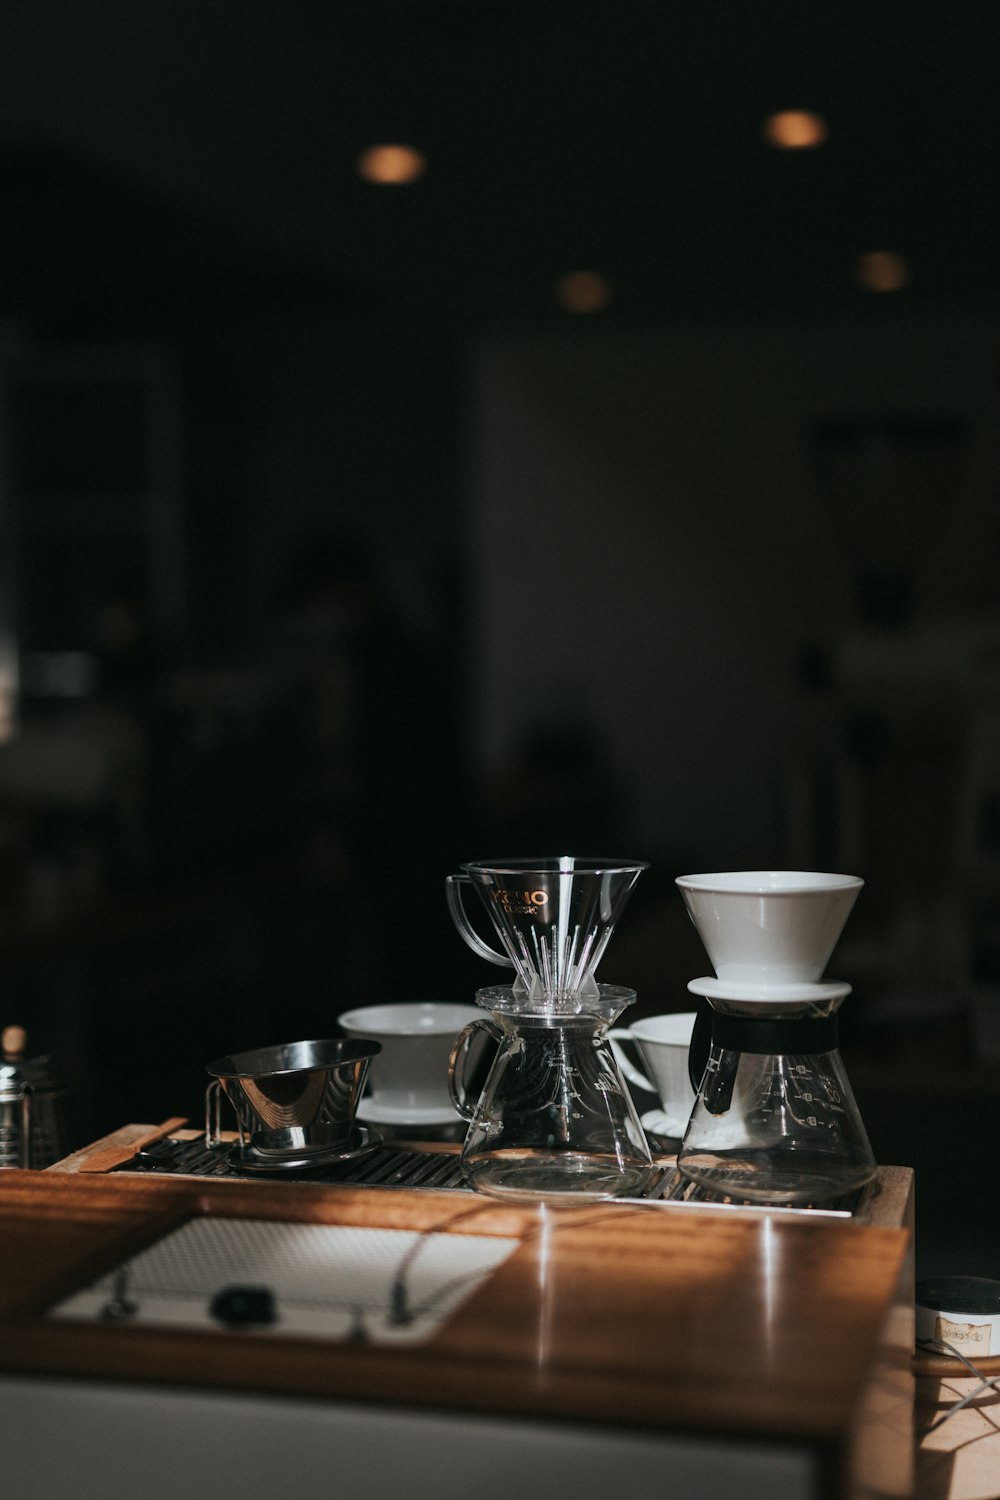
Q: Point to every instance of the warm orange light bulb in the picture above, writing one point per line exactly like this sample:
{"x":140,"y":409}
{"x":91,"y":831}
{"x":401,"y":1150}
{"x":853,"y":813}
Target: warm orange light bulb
{"x":882,"y":271}
{"x":795,"y":130}
{"x":391,"y":164}
{"x":583,"y":292}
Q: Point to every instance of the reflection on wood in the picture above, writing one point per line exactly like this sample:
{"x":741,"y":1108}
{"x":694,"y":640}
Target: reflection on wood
{"x":642,"y":1316}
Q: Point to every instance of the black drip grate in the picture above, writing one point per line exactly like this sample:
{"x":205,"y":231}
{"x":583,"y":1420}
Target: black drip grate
{"x":400,"y":1166}
{"x":386,"y":1166}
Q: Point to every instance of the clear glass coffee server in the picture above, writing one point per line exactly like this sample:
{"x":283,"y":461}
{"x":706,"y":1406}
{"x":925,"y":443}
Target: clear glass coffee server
{"x":554,"y":1116}
{"x":775,"y":1120}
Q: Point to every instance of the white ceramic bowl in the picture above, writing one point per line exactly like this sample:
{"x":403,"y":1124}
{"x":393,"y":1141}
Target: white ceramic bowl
{"x":411,"y":1080}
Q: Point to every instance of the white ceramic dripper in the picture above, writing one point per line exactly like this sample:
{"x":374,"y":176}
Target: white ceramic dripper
{"x":768,"y":927}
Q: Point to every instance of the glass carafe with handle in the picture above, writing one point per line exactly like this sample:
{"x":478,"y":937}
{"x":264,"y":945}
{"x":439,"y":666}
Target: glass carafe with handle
{"x":554,"y":1117}
{"x":775,"y":1120}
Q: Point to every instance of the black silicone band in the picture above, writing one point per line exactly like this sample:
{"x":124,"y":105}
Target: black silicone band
{"x":801,"y":1036}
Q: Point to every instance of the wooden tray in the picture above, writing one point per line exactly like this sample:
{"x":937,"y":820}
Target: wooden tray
{"x":656,"y":1316}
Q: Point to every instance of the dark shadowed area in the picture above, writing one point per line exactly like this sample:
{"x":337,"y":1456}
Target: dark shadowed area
{"x":621,"y":485}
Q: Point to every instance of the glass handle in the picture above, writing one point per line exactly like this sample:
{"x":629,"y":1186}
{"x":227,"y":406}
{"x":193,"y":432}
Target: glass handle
{"x":617,"y":1035}
{"x":458,"y":1059}
{"x":213,"y":1114}
{"x":453,"y":891}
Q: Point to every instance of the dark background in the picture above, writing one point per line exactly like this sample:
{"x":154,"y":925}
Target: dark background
{"x":336,"y":551}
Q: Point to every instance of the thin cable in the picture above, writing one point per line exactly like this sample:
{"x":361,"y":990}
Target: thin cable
{"x":939,"y":1346}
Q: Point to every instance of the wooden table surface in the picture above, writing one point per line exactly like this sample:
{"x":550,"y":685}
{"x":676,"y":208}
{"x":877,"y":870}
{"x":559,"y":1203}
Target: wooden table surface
{"x":657,"y":1317}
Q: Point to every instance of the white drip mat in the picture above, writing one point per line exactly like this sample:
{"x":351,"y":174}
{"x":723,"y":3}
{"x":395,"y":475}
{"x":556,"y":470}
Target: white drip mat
{"x":385,"y":1286}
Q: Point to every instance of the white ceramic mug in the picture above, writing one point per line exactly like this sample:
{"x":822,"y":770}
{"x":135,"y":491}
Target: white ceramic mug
{"x":410,"y":1084}
{"x":662,"y":1043}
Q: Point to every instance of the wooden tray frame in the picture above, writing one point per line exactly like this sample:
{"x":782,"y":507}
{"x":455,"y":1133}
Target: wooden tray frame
{"x":658,"y":1316}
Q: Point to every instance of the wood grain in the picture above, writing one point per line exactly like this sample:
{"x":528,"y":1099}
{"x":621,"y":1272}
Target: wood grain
{"x":621,"y":1314}
{"x":115,"y":1154}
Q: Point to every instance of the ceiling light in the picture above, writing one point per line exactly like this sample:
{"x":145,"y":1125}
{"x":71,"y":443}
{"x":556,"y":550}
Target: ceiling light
{"x":882,"y":271}
{"x":795,"y":130}
{"x":583,"y":292}
{"x":391,"y":164}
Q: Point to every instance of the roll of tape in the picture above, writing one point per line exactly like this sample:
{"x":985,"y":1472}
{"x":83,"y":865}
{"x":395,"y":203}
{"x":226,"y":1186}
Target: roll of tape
{"x":963,"y":1311}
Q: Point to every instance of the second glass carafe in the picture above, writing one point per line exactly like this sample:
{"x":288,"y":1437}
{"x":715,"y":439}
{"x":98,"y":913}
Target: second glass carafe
{"x":554,"y":1116}
{"x":775,"y":1120}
